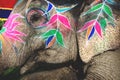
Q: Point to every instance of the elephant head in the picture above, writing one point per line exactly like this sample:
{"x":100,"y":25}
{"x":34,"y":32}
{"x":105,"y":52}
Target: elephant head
{"x":30,"y":48}
{"x":101,"y":55}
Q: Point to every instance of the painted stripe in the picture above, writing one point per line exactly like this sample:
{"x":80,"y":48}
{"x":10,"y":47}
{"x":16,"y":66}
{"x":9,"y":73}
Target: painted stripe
{"x":4,"y":13}
{"x":6,"y":8}
{"x":3,"y":19}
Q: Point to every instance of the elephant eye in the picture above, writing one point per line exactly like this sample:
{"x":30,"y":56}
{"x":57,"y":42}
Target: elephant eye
{"x":36,"y":17}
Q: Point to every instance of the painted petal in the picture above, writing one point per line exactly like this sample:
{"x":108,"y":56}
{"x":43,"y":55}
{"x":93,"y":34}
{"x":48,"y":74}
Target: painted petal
{"x":59,"y":38}
{"x":48,"y":33}
{"x":64,"y":20}
{"x":93,"y":9}
{"x":50,"y":6}
{"x":11,"y":19}
{"x":91,"y":33}
{"x":88,"y":31}
{"x":87,"y":25}
{"x":14,"y":25}
{"x":50,"y":41}
{"x":52,"y":19}
{"x":14,"y":37}
{"x":61,"y":10}
{"x":103,"y":23}
{"x":98,"y":29}
{"x":16,"y":32}
{"x":108,"y":11}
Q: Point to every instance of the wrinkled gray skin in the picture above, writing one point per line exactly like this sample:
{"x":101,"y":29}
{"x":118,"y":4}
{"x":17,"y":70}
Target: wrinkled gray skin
{"x":101,"y":57}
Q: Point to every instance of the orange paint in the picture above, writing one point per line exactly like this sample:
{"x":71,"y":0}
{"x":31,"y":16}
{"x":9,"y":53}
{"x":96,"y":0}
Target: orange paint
{"x":52,"y":42}
{"x":88,"y":32}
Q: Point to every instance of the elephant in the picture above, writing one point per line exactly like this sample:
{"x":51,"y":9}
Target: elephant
{"x":31,"y":60}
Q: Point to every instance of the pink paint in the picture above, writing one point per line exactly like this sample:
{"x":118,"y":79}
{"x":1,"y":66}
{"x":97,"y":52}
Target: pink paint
{"x":10,"y":26}
{"x":87,"y":25}
{"x":64,"y":20}
{"x":98,"y":29}
{"x":52,"y":19}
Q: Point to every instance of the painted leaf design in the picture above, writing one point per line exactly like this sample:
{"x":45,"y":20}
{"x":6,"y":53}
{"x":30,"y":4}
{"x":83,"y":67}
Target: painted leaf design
{"x":16,"y":32}
{"x":108,"y":11}
{"x":88,"y":32}
{"x":64,"y":20}
{"x":103,"y":23}
{"x":50,"y":6}
{"x":48,"y":33}
{"x":104,"y":16}
{"x":11,"y":19}
{"x":59,"y":38}
{"x":50,"y":41}
{"x":98,"y":29}
{"x":87,"y":25}
{"x":93,"y":9}
{"x":10,"y":26}
{"x":52,"y":19}
{"x":61,"y":18}
{"x":14,"y":37}
{"x":61,"y":10}
{"x":91,"y":33}
{"x":14,"y":25}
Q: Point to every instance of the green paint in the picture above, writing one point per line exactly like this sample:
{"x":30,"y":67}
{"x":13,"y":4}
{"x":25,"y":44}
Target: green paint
{"x":108,"y":11}
{"x":59,"y":38}
{"x":48,"y":33}
{"x":94,"y":8}
{"x":103,"y":23}
{"x":2,"y":30}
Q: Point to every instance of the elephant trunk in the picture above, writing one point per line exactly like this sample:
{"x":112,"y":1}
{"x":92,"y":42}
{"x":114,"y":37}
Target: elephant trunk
{"x":104,"y":67}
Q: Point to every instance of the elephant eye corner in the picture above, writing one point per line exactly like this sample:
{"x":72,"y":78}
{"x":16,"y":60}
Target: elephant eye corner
{"x":36,"y":17}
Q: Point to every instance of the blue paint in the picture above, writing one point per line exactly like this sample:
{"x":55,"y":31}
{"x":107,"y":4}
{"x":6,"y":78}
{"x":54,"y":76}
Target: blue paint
{"x":50,"y":6}
{"x":91,"y":33}
{"x":61,"y":10}
{"x":4,"y":13}
{"x":49,"y":40}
